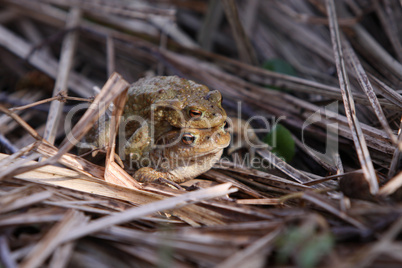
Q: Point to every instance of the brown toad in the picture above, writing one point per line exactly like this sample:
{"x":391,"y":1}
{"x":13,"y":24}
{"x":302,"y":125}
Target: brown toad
{"x":157,"y":105}
{"x":158,"y":109}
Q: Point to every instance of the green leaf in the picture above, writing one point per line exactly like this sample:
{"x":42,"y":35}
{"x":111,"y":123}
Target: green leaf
{"x":306,"y":247}
{"x":281,"y":141}
{"x":314,"y":250}
{"x":288,"y":243}
{"x":279,"y":66}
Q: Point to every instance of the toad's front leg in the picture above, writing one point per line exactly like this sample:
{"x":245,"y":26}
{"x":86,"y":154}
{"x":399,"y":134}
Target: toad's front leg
{"x":147,"y":174}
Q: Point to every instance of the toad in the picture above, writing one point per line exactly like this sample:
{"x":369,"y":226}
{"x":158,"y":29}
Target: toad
{"x":157,"y":105}
{"x":159,"y":110}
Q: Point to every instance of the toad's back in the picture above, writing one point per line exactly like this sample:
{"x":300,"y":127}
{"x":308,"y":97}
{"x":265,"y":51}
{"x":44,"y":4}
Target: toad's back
{"x":156,"y":89}
{"x":175,"y":101}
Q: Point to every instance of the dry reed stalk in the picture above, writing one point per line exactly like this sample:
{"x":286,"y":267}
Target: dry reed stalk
{"x":66,"y":61}
{"x":354,"y":124}
{"x":42,"y":62}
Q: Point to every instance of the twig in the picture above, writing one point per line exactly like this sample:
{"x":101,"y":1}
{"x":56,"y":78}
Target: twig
{"x":244,"y":47}
{"x":280,"y":164}
{"x":62,"y":255}
{"x":120,"y":8}
{"x":22,"y":123}
{"x":133,"y":213}
{"x":113,"y":172}
{"x":368,"y":89}
{"x":35,"y":37}
{"x":354,"y":124}
{"x":390,"y":25}
{"x":171,"y":29}
{"x":62,"y":97}
{"x":5,"y":254}
{"x":7,"y":144}
{"x":321,"y":201}
{"x":44,"y":63}
{"x":366,"y":255}
{"x":71,"y":220}
{"x":396,"y":158}
{"x":377,"y":52}
{"x":113,"y":87}
{"x":211,"y":21}
{"x":247,"y":256}
{"x":392,"y":185}
{"x":111,"y":61}
{"x":389,"y":93}
{"x":66,"y":61}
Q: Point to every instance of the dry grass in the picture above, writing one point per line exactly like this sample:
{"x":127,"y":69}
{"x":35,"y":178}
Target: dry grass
{"x":338,"y":210}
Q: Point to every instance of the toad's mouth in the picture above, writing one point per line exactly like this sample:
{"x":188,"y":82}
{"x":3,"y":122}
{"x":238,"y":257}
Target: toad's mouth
{"x":207,"y":154}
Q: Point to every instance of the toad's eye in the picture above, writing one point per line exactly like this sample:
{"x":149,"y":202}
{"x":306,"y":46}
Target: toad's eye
{"x":195,"y":113}
{"x":188,"y":138}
